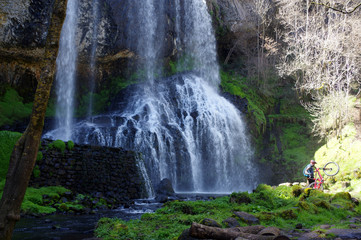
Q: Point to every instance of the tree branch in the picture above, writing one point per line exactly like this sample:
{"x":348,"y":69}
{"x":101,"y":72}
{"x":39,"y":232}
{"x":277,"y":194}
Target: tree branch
{"x":337,"y":9}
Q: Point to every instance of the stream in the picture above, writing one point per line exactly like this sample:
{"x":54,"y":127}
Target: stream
{"x":76,"y":227}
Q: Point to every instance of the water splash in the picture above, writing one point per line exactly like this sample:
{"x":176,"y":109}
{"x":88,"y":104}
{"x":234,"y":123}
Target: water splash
{"x":188,"y":133}
{"x":66,"y":70}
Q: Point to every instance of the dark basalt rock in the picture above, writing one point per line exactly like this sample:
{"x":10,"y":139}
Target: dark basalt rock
{"x":247,"y":218}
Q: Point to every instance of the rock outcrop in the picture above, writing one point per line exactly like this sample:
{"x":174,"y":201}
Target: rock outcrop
{"x":24,"y":25}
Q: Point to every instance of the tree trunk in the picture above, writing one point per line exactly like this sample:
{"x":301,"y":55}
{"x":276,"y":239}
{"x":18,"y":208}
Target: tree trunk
{"x":23,"y":157}
{"x":205,"y":232}
{"x":257,"y":232}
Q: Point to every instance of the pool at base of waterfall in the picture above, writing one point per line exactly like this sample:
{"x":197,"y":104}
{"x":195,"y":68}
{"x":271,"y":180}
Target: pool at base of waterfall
{"x":76,"y":227}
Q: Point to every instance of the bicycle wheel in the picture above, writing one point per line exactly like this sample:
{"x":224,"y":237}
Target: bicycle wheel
{"x":331,"y":168}
{"x":313,"y":186}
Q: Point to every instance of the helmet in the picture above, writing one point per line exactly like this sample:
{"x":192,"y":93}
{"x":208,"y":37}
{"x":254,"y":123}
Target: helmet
{"x":313,"y":161}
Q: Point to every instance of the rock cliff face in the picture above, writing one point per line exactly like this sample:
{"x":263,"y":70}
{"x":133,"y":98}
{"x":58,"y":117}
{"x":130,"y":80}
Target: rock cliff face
{"x":23,"y":31}
{"x":24,"y":24}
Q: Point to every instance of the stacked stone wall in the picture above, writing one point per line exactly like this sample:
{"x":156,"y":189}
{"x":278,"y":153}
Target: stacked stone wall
{"x":113,"y":172}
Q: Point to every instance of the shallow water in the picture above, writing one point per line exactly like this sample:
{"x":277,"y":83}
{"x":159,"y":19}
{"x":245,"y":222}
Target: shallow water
{"x":74,"y":227}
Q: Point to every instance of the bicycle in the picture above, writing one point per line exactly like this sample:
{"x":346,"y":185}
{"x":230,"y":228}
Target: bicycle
{"x":330,"y":169}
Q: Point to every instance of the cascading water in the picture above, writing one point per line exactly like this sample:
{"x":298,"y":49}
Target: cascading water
{"x":198,"y":39}
{"x":184,"y":129}
{"x":187,"y":133}
{"x":65,"y":75}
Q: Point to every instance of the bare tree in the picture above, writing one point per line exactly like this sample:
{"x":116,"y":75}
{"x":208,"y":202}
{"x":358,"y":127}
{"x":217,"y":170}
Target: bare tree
{"x":337,"y":7}
{"x":25,"y":151}
{"x":323,"y":55}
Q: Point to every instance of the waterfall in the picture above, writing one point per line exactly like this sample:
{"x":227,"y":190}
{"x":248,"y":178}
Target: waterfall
{"x":187,"y":133}
{"x":198,"y":39}
{"x":65,"y":75}
{"x":183,"y":128}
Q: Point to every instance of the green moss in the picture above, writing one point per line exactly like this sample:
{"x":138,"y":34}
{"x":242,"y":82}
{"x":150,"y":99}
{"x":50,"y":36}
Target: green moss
{"x":58,"y":145}
{"x":7,"y":143}
{"x":288,"y":214}
{"x":12,"y":107}
{"x":39,"y":157}
{"x":102,"y":99}
{"x":242,"y":197}
{"x":272,"y":206}
{"x":296,"y":190}
{"x":346,"y":151}
{"x":258,"y":104}
{"x":33,"y":200}
{"x":70,"y":145}
{"x":342,"y":195}
{"x":36,"y":171}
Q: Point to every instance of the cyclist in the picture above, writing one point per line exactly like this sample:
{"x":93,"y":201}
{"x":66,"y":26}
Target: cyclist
{"x":308,"y":172}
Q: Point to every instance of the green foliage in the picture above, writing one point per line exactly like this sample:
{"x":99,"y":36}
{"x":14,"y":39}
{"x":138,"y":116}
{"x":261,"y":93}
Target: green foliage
{"x":346,"y":151}
{"x":12,"y":107}
{"x":58,"y":145}
{"x":242,"y":197}
{"x":70,"y":145}
{"x":183,"y":64}
{"x":102,"y":99}
{"x":296,"y":190}
{"x":68,"y":206}
{"x":273,"y":206}
{"x":7,"y":143}
{"x":36,"y":171}
{"x":258,"y":104}
{"x":40,"y":156}
{"x":33,"y":200}
{"x":51,"y":108}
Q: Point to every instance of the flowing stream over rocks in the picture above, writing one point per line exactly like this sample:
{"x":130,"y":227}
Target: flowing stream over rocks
{"x":184,"y":129}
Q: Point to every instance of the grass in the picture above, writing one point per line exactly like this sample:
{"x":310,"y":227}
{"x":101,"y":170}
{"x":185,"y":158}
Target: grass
{"x":346,"y":151}
{"x":277,"y":207}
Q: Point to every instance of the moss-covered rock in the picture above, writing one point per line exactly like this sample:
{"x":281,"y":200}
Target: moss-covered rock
{"x":288,"y":214}
{"x":58,"y":145}
{"x":297,"y":190}
{"x":242,"y":197}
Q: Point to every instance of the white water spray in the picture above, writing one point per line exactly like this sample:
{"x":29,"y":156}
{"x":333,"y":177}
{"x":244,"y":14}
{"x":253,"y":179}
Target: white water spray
{"x":65,"y":76}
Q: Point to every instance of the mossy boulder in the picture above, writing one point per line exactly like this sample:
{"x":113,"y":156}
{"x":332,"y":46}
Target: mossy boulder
{"x":296,"y":190}
{"x":239,"y":198}
{"x":211,"y":223}
{"x":288,"y":214}
{"x":58,"y":145}
{"x":342,"y":195}
{"x":321,"y":203}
